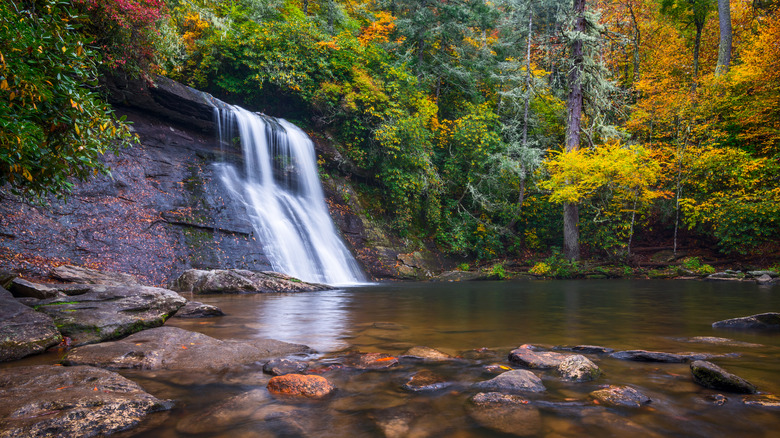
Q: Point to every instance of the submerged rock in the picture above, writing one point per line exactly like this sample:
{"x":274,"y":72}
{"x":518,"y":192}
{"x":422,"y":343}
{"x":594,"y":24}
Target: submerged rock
{"x":172,"y":348}
{"x":23,"y":331}
{"x":509,"y":414}
{"x":370,"y":361}
{"x":719,"y":341}
{"x":620,"y":396}
{"x":240,"y":281}
{"x":110,"y":312}
{"x":578,"y":368}
{"x":527,"y":357}
{"x":195,"y":309}
{"x":649,"y":356}
{"x":425,"y":380}
{"x":513,"y":382}
{"x":709,"y":375}
{"x":587,"y":349}
{"x":52,"y":401}
{"x":81,"y":275}
{"x":763,"y":400}
{"x":279,"y":367}
{"x":300,"y":385}
{"x":762,"y":321}
{"x":426,"y":353}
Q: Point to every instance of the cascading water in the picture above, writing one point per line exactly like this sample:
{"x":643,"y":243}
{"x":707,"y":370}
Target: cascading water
{"x":283,"y":197}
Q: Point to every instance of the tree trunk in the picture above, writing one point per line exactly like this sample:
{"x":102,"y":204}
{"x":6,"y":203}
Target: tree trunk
{"x":724,"y":47}
{"x":571,"y":233}
{"x":696,"y":46}
{"x":637,"y":42}
{"x":305,"y":7}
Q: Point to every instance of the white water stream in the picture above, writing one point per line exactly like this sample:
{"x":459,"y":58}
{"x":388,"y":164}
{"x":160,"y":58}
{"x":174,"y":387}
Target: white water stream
{"x":283,"y":196}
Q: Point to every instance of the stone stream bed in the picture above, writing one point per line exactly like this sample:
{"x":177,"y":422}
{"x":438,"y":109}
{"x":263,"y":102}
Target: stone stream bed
{"x":419,"y":360}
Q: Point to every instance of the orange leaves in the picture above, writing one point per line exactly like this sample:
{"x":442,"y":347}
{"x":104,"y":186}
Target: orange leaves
{"x":377,"y":31}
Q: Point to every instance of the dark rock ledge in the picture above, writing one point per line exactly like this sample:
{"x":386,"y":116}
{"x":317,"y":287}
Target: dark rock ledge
{"x":216,"y":281}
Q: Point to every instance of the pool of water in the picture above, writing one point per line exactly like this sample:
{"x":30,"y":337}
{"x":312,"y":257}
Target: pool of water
{"x":494,"y":317}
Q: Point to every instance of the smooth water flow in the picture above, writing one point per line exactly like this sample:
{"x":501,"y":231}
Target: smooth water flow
{"x":283,"y":197}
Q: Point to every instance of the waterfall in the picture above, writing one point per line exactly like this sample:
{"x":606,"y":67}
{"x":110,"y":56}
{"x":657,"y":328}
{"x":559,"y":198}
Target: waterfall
{"x":281,"y":191}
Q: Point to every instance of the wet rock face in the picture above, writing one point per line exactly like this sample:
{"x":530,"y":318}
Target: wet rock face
{"x":578,"y":368}
{"x":300,"y":385}
{"x":513,"y":382}
{"x":529,"y":358}
{"x":509,"y":414}
{"x":23,"y":331}
{"x":110,"y":312}
{"x":709,"y":375}
{"x":425,"y":380}
{"x":620,"y":396}
{"x":48,"y":401}
{"x":240,"y":281}
{"x":763,"y":321}
{"x":172,"y":348}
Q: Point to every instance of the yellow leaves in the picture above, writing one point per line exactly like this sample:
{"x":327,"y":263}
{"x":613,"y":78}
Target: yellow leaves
{"x":4,"y":85}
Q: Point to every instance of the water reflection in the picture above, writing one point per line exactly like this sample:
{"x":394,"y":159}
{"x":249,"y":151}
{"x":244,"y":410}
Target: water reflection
{"x":319,"y":320}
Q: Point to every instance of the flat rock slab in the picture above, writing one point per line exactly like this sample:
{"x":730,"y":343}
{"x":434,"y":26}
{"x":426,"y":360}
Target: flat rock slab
{"x":54,"y":401}
{"x":709,"y":375}
{"x":221,"y":281}
{"x":527,"y":357}
{"x":649,"y":356}
{"x":110,"y":312}
{"x":23,"y":331}
{"x":23,"y":288}
{"x":762,"y":321}
{"x":300,"y":385}
{"x":620,"y":396}
{"x":509,"y":414}
{"x":172,"y":348}
{"x":513,"y":382}
{"x":426,"y":353}
{"x":195,"y":309}
{"x":81,"y":275}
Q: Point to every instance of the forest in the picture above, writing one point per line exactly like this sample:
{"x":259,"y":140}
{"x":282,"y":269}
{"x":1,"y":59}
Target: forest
{"x":498,"y":128}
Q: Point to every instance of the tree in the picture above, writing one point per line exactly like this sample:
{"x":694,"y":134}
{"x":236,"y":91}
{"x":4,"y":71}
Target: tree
{"x":690,"y":12}
{"x":724,"y":47}
{"x":53,"y":124}
{"x":571,"y":218}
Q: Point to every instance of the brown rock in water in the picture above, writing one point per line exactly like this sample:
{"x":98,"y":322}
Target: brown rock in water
{"x":709,"y":375}
{"x":53,"y":401}
{"x":762,"y":321}
{"x":425,"y":380}
{"x":23,"y":331}
{"x":649,"y":356}
{"x":620,"y":396}
{"x":300,"y":385}
{"x":578,"y":368}
{"x":763,"y":401}
{"x":280,"y":367}
{"x":513,"y":382}
{"x":240,"y":281}
{"x":371,"y":361}
{"x":527,"y":357}
{"x":503,"y":413}
{"x":426,"y":353}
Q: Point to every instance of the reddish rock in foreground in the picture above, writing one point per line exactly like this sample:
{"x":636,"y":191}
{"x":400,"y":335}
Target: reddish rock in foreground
{"x":300,"y":385}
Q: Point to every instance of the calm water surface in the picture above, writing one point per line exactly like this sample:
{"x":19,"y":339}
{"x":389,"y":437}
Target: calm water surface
{"x":456,"y":318}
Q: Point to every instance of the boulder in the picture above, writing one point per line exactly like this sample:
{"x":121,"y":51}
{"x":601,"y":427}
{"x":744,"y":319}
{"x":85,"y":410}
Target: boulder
{"x":370,"y":361}
{"x":300,"y":385}
{"x":172,"y":348}
{"x":709,"y":375}
{"x":23,"y":331}
{"x":23,"y":288}
{"x":427,"y":354}
{"x":762,"y":321}
{"x":513,"y":382}
{"x":218,"y":281}
{"x":81,"y":275}
{"x":425,"y":380}
{"x":649,"y":356}
{"x":280,"y":367}
{"x":620,"y":396}
{"x":506,"y":414}
{"x":578,"y":368}
{"x":770,"y":274}
{"x":110,"y":312}
{"x":765,"y":279}
{"x":53,"y":401}
{"x":195,"y":309}
{"x":527,"y":357}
